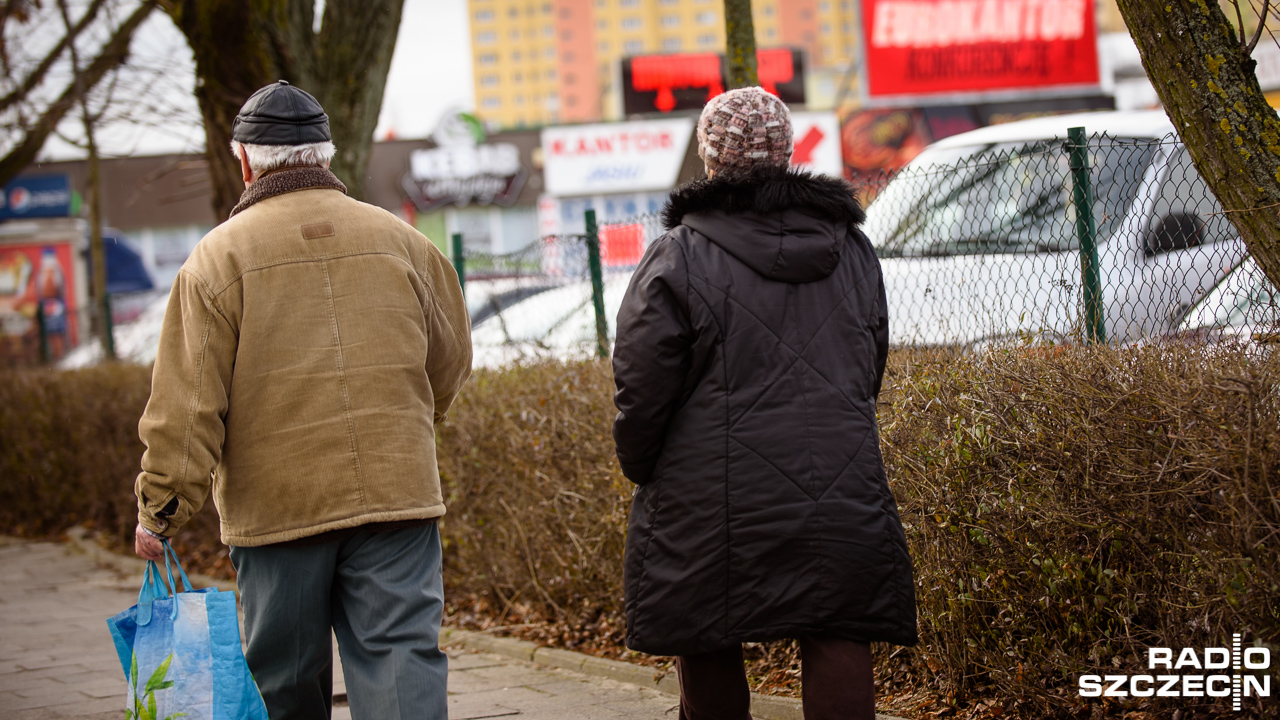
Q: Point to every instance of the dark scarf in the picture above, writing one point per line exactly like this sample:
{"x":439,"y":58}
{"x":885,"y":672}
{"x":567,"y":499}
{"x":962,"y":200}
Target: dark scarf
{"x":765,"y":191}
{"x":287,"y":180}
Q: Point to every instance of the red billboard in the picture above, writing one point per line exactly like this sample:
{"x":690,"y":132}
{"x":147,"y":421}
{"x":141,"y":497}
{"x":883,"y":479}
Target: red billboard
{"x":929,"y":47}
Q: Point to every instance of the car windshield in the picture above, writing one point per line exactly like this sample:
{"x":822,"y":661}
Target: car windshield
{"x":1002,"y":198}
{"x":1244,"y":298}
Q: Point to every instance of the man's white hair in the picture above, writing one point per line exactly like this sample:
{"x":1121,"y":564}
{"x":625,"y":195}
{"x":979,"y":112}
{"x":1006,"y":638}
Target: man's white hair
{"x":264,"y":158}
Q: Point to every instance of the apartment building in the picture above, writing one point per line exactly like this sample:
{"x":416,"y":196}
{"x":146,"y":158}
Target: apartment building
{"x":540,"y":62}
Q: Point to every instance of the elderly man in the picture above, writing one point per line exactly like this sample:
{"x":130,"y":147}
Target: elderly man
{"x":310,"y":345}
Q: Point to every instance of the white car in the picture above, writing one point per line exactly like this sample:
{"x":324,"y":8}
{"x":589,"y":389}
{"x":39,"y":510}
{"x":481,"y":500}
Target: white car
{"x":977,"y":241}
{"x":977,"y":235}
{"x":1244,"y":307}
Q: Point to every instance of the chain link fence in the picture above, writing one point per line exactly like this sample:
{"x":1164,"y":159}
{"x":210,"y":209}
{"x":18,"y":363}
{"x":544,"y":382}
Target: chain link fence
{"x":978,"y":245}
{"x":541,"y":301}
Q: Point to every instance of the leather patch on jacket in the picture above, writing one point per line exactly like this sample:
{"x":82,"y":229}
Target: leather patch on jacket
{"x":318,"y":230}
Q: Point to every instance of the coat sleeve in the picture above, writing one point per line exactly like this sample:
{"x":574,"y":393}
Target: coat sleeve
{"x":881,"y":328}
{"x":449,"y":332}
{"x":652,"y":357}
{"x":183,"y":426}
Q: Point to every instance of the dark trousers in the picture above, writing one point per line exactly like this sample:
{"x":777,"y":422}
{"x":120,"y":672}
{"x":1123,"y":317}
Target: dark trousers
{"x":836,"y":678}
{"x":379,"y":592}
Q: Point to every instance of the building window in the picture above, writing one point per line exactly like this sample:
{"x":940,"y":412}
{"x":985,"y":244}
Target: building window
{"x":566,"y":35}
{"x":671,"y":43}
{"x":771,"y":33}
{"x":519,"y":99}
{"x":551,"y":74}
{"x":548,"y":31}
{"x":670,"y":21}
{"x":484,"y":16}
{"x":518,"y":77}
{"x":846,"y":28}
{"x":489,"y":81}
{"x":602,"y":24}
{"x":567,"y":57}
{"x":549,"y":52}
{"x":516,"y":56}
{"x":826,"y":28}
{"x":706,"y":40}
{"x":824,"y":6}
{"x":604,"y":47}
{"x":546,"y":8}
{"x":668,"y":2}
{"x":515,"y":34}
{"x":487,"y":59}
{"x":571,"y":100}
{"x":707,"y":18}
{"x":566,"y":13}
{"x":486,"y":38}
{"x":491,"y":102}
{"x":633,"y":3}
{"x":570,"y":78}
{"x":633,"y":47}
{"x":768,"y":11}
{"x":631,"y":23}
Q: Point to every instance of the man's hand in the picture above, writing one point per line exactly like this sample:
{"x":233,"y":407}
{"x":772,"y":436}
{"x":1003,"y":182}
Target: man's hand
{"x":147,"y":547}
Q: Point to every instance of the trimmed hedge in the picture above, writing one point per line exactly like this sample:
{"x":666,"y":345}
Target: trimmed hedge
{"x":1066,"y":508}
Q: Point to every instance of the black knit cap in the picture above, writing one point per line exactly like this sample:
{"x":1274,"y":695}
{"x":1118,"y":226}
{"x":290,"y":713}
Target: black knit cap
{"x":281,"y":114}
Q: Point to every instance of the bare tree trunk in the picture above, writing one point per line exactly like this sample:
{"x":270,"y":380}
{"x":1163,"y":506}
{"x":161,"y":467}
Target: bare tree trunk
{"x":1204,"y":75}
{"x":98,"y":284}
{"x":232,"y":61}
{"x":241,"y":45}
{"x":740,"y":39}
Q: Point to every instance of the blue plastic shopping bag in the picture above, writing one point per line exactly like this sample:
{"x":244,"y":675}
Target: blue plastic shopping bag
{"x":181,"y":653}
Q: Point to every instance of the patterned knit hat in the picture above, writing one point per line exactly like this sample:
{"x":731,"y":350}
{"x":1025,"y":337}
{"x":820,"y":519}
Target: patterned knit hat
{"x":744,"y":129}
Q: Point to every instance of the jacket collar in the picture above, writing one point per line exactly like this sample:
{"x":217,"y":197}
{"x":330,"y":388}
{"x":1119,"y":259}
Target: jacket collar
{"x":287,"y":180}
{"x":765,"y":192}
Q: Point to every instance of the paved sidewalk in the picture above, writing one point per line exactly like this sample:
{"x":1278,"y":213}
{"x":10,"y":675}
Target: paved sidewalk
{"x":57,"y":661}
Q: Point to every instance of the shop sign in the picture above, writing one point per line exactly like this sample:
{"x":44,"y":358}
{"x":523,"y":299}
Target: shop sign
{"x":817,"y":143}
{"x":464,"y":174}
{"x":928,"y":47}
{"x":614,"y":157}
{"x":36,"y":197}
{"x":686,"y":81}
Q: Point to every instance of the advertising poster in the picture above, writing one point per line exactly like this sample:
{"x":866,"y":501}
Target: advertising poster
{"x":878,"y":142}
{"x":930,"y":47}
{"x":33,"y":276}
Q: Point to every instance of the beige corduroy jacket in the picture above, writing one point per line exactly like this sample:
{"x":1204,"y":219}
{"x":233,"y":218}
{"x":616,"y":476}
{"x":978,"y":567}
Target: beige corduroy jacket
{"x":310,"y":345}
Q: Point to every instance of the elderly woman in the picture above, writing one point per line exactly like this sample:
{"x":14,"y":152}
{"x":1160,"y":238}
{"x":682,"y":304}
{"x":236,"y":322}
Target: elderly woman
{"x":751,"y":346}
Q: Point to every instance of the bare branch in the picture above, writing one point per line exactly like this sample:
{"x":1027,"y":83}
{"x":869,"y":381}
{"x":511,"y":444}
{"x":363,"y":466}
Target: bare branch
{"x":1262,"y":24}
{"x":37,"y":75}
{"x":1239,"y":19}
{"x":113,"y":53}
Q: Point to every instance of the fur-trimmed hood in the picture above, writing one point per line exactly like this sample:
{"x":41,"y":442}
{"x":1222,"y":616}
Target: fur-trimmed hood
{"x":787,"y":225}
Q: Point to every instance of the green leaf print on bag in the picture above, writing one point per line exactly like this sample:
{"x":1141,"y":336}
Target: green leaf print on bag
{"x":156,"y":683}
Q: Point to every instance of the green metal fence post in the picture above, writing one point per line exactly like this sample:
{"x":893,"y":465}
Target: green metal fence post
{"x":44,"y":334}
{"x":597,"y":284}
{"x":460,"y":262}
{"x":1087,"y":232}
{"x":108,"y":327}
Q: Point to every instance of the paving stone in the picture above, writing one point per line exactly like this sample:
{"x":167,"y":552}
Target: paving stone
{"x":57,"y":659}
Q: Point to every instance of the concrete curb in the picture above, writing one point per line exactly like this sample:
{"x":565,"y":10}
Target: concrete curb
{"x":764,"y":707}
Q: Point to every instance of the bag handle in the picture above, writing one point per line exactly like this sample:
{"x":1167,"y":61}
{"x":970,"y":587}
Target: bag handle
{"x":170,"y":552}
{"x":153,"y":580}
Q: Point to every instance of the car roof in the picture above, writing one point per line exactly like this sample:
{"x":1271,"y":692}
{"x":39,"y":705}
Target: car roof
{"x":1132,"y":123}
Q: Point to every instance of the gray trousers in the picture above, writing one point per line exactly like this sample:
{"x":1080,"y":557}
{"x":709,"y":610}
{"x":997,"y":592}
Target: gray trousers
{"x":382,"y":595}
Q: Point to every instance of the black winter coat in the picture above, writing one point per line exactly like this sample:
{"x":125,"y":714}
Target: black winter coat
{"x":751,"y":345}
